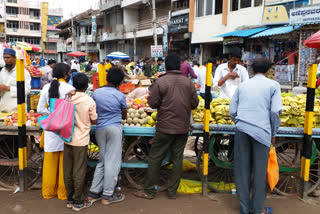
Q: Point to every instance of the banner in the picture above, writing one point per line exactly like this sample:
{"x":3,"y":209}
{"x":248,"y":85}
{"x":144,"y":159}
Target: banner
{"x":44,"y":21}
{"x":1,"y":9}
{"x":94,"y":28}
{"x":305,"y":15}
{"x":156,"y":51}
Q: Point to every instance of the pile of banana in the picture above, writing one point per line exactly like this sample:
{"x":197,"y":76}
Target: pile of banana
{"x":293,"y":111}
{"x":219,"y":109}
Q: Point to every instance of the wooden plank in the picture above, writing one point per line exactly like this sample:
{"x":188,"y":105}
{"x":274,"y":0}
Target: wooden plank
{"x":225,"y":12}
{"x":191,"y":15}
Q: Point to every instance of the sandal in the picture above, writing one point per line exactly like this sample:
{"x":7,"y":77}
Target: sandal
{"x":78,"y":207}
{"x":69,"y":204}
{"x":142,"y":194}
{"x":116,"y":197}
{"x":268,"y":210}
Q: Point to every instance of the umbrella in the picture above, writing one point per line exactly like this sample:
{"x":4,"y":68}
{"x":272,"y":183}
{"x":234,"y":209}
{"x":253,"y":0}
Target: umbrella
{"x":34,"y":48}
{"x":23,"y":46}
{"x":117,"y":55}
{"x":77,"y":54}
{"x":313,"y":41}
{"x":4,"y":45}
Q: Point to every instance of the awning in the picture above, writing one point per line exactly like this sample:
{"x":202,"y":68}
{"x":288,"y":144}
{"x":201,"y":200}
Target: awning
{"x":276,"y":31}
{"x":243,"y":33}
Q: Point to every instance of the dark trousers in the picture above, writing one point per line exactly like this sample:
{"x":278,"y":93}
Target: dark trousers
{"x":161,"y":144}
{"x":74,"y":172}
{"x":250,"y":156}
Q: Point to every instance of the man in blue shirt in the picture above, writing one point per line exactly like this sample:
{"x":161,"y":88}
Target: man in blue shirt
{"x":255,"y":109}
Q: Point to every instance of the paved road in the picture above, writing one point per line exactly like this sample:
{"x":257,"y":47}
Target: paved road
{"x":31,"y":202}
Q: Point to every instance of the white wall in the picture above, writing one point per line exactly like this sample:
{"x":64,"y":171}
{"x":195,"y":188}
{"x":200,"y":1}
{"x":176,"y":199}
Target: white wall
{"x":130,"y":16}
{"x":207,"y":27}
{"x":143,"y":33}
{"x":127,"y":3}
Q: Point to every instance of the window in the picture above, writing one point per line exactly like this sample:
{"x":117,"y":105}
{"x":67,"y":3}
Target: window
{"x":12,"y":10}
{"x":200,"y":8}
{"x":34,"y":26}
{"x":32,"y":40}
{"x":24,"y":25}
{"x":34,"y":14}
{"x":180,"y":5}
{"x":13,"y":24}
{"x":218,"y":6}
{"x":12,"y":1}
{"x":245,"y":3}
{"x":257,"y":3}
{"x":14,"y":39}
{"x":23,"y":11}
{"x":234,"y":5}
{"x":209,"y":7}
{"x":88,"y":30}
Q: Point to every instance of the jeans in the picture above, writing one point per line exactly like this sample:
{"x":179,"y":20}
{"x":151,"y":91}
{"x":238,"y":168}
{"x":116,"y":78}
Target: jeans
{"x":107,"y":170}
{"x":161,"y":144}
{"x":74,"y":172}
{"x":249,"y":155}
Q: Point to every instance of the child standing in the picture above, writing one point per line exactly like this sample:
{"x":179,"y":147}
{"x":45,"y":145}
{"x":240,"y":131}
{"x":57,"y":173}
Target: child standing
{"x":75,"y":152}
{"x":111,"y":108}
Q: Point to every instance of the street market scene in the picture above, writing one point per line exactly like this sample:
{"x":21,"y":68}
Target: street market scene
{"x":160,"y":106}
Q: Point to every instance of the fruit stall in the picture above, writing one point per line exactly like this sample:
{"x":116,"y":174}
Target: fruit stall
{"x":288,"y":146}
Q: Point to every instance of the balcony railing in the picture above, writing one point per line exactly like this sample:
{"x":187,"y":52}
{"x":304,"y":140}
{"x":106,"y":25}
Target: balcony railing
{"x":144,"y":25}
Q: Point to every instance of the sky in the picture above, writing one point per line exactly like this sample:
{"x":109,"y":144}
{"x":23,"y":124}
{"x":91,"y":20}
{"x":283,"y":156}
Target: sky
{"x":73,"y":7}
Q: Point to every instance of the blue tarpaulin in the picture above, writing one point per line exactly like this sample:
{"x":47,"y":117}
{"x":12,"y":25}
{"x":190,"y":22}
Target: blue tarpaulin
{"x":243,"y":33}
{"x":276,"y":31}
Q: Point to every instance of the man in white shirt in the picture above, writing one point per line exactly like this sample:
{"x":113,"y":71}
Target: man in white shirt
{"x":195,"y":67}
{"x":95,"y":66}
{"x":228,"y":76}
{"x":201,"y":80}
{"x":8,"y":82}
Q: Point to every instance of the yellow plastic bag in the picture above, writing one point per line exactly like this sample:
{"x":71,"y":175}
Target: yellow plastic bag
{"x":186,"y":166}
{"x":272,"y":168}
{"x":191,"y":186}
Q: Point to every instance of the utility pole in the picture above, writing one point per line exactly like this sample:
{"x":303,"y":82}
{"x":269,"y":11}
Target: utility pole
{"x":154,"y":22}
{"x":134,"y":45}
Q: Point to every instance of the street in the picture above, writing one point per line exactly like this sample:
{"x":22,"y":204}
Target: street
{"x":32,"y":202}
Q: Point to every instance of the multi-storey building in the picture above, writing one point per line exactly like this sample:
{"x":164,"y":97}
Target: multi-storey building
{"x":54,"y":18}
{"x":23,"y":22}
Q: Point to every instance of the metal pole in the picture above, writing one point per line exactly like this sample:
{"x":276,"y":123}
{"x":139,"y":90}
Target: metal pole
{"x":299,"y":57}
{"x":22,"y":137}
{"x":154,"y":22}
{"x":308,"y":123}
{"x":205,"y":157}
{"x":134,"y":45}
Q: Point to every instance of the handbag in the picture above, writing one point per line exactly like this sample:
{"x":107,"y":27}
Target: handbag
{"x":61,"y":120}
{"x":272,"y":168}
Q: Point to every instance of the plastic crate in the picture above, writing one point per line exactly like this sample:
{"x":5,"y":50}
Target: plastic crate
{"x":34,"y":100}
{"x":35,"y":82}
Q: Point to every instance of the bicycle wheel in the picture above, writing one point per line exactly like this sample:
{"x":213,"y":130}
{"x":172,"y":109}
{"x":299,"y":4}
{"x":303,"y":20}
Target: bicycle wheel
{"x":9,"y":163}
{"x":220,"y":167}
{"x":135,"y":165}
{"x":288,"y":153}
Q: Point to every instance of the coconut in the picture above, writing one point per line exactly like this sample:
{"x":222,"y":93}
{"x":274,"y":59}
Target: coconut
{"x":132,"y":124}
{"x":123,"y":122}
{"x":126,"y":124}
{"x":132,"y":115}
{"x":129,"y":120}
{"x":128,"y":105}
{"x":141,"y":121}
{"x":138,"y":125}
{"x":135,"y":120}
{"x":144,"y":115}
{"x":140,"y":111}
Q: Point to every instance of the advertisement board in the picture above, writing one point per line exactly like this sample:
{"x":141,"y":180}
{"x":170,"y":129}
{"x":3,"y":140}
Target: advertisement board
{"x":156,"y":51}
{"x":44,"y":20}
{"x":305,"y":15}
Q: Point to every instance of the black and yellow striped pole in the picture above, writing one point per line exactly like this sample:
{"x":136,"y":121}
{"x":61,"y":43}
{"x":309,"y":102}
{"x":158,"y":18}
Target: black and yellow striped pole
{"x":205,"y":154}
{"x":22,"y":134}
{"x":102,"y":75}
{"x":308,"y":123}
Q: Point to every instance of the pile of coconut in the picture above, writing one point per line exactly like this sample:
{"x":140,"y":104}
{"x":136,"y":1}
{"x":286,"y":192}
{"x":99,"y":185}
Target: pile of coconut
{"x":136,"y":118}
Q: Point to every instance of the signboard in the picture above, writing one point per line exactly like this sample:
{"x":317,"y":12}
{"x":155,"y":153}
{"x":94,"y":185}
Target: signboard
{"x":275,"y":2}
{"x":44,"y":19}
{"x":179,"y":23}
{"x":94,"y":28}
{"x":156,"y":51}
{"x":50,"y":51}
{"x":232,"y":40}
{"x":165,"y":38}
{"x":305,"y":15}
